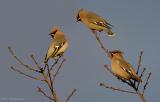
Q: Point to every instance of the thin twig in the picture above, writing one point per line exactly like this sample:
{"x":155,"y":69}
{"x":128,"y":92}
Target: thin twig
{"x":138,"y":65}
{"x":139,"y":61}
{"x":109,"y":69}
{"x":116,"y":89}
{"x":101,"y":44}
{"x":142,"y":73}
{"x":57,"y":71}
{"x":56,"y":61}
{"x":20,"y":62}
{"x":22,"y":73}
{"x":126,"y":91}
{"x":50,"y":79}
{"x":53,"y":65}
{"x":70,"y":95}
{"x":147,"y":81}
{"x":41,"y":91}
{"x":35,"y":62}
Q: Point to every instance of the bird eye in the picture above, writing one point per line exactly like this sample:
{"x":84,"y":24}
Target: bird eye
{"x":52,"y":35}
{"x":113,"y":52}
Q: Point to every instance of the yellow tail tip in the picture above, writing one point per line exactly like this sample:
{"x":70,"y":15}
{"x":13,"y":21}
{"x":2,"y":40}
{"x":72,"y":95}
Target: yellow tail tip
{"x":111,"y":34}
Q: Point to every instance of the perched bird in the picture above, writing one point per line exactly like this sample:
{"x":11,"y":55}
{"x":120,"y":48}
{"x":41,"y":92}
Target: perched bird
{"x":58,"y":45}
{"x":121,"y":68}
{"x":94,"y":21}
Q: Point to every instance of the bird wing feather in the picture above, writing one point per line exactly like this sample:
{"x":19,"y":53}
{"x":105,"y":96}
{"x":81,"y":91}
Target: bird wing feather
{"x":57,"y":47}
{"x":98,"y":20}
{"x":127,"y":67}
{"x":52,"y":51}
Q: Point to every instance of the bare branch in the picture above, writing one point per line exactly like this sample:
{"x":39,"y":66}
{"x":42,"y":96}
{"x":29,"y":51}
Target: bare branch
{"x":46,"y":74}
{"x":142,"y":73}
{"x":56,"y":61}
{"x":109,"y":69}
{"x":55,"y":96}
{"x":22,"y":73}
{"x":56,"y":73}
{"x":41,"y":91}
{"x":53,"y":65}
{"x":20,"y":62}
{"x":70,"y":95}
{"x":138,"y":65}
{"x":147,"y":81}
{"x":48,"y":82}
{"x":116,"y":89}
{"x":106,"y":50}
{"x":125,"y":91}
{"x":141,"y":96}
{"x":50,"y":79}
{"x":139,"y":61}
{"x":35,"y":62}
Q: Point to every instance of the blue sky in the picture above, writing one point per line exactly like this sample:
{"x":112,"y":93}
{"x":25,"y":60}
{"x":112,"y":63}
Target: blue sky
{"x":25,"y":24}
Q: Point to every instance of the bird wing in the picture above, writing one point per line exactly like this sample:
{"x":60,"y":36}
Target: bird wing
{"x":127,"y":67}
{"x":98,"y":20}
{"x":53,"y":49}
{"x":57,"y":47}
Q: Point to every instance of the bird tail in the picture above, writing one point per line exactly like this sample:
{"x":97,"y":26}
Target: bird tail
{"x":137,"y":78}
{"x":110,"y":33}
{"x":45,"y":61}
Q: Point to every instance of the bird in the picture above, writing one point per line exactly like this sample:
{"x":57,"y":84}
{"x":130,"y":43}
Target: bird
{"x":94,"y":22}
{"x":121,"y":68}
{"x":58,"y":46}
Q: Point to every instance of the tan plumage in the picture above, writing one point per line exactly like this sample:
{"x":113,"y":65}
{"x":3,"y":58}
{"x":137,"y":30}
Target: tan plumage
{"x":58,"y":45}
{"x":94,"y":21}
{"x":121,"y":67}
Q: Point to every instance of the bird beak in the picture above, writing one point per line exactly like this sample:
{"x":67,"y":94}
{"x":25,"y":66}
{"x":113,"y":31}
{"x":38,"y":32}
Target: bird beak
{"x":51,"y":34}
{"x":76,"y":20}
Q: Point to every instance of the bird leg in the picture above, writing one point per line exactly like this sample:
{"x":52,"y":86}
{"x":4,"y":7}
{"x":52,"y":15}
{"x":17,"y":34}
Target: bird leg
{"x":94,"y":32}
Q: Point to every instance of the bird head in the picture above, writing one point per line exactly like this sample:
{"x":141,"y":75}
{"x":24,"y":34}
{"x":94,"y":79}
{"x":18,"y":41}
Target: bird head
{"x":77,"y":15}
{"x":54,"y":31}
{"x":116,"y":53}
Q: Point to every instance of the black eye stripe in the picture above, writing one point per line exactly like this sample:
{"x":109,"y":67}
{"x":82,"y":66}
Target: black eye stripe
{"x":113,"y":52}
{"x":78,"y":17}
{"x":52,"y":36}
{"x":54,"y":32}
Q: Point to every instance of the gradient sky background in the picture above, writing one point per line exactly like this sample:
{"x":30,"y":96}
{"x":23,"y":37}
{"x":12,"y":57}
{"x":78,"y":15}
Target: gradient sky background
{"x":25,"y":24}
